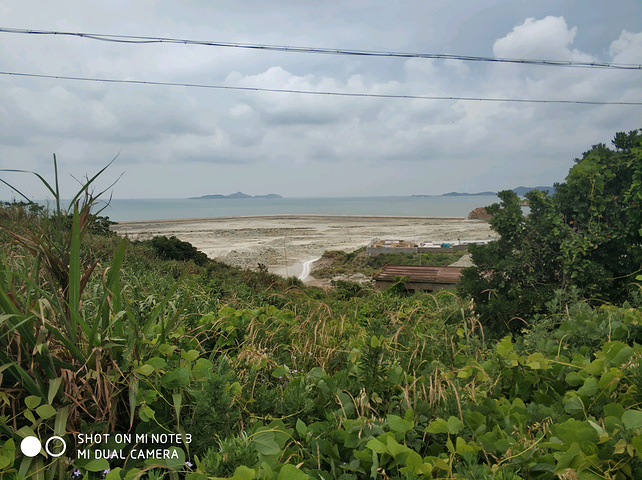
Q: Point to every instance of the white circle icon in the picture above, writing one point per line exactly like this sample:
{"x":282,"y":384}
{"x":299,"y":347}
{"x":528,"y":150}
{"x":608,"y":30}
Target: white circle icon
{"x":30,"y":446}
{"x":64,"y":446}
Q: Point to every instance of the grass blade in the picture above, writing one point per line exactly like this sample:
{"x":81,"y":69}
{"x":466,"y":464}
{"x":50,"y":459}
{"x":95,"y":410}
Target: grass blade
{"x":74,"y":275}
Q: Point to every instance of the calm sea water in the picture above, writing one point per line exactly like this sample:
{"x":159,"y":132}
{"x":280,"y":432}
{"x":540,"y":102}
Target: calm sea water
{"x":167,"y":209}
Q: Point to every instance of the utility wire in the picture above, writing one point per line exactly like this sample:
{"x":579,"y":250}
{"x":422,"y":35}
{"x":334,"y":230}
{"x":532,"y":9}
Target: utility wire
{"x":312,"y":92}
{"x":327,"y":51}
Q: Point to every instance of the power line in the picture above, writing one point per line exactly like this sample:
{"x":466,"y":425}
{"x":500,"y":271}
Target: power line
{"x":134,"y":39}
{"x":312,"y":92}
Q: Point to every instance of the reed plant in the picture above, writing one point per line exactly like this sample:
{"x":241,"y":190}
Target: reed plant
{"x":62,"y":369}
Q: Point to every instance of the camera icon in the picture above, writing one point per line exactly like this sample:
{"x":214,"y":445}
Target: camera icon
{"x":31,"y":446}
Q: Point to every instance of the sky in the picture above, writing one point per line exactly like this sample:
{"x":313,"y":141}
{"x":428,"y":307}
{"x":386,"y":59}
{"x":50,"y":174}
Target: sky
{"x":177,"y":142}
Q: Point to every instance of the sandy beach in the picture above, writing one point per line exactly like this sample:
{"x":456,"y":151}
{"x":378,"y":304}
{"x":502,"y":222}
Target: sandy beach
{"x":288,"y":244}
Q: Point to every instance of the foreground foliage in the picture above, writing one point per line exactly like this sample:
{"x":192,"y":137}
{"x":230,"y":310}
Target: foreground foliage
{"x":260,"y":378}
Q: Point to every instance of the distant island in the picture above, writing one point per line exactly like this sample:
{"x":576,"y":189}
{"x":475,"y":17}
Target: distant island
{"x":519,"y":191}
{"x":236,"y":195}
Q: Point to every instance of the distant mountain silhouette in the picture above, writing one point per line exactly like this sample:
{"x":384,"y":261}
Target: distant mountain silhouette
{"x":520,"y":191}
{"x":236,"y":195}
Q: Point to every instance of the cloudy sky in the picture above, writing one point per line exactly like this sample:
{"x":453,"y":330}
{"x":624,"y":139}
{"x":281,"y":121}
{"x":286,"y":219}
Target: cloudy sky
{"x":179,"y":141}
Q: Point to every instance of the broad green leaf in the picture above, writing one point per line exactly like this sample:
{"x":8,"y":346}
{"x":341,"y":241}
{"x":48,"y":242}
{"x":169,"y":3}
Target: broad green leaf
{"x":202,"y":368}
{"x":114,"y":474}
{"x":290,"y":472}
{"x":29,"y":416}
{"x":632,"y":419}
{"x":190,"y":355}
{"x":454,"y":425}
{"x":595,"y":367}
{"x":465,"y":448}
{"x":623,"y":356}
{"x":610,"y":379}
{"x":7,"y":454}
{"x":243,"y":473}
{"x":438,"y":425}
{"x":96,"y":465}
{"x":196,"y":476}
{"x":613,"y":410}
{"x":414,"y":462}
{"x":589,"y":388}
{"x":505,"y":346}
{"x":145,"y":370}
{"x":46,"y":411}
{"x":573,"y":405}
{"x":573,"y":379}
{"x":32,"y":401}
{"x":264,"y":443}
{"x":600,"y":431}
{"x":398,"y":424}
{"x":157,"y":363}
{"x":377,"y":446}
{"x":395,"y":448}
{"x":146,"y":413}
{"x":133,"y":474}
{"x":176,"y":378}
{"x":565,"y":460}
{"x":280,"y":372}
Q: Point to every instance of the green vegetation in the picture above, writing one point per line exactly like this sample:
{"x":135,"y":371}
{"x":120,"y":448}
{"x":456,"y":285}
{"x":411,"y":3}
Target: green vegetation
{"x":174,"y":249}
{"x":262,"y":378}
{"x":341,"y":263}
{"x":585,"y":240}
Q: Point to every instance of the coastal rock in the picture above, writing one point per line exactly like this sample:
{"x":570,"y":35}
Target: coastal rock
{"x":479,"y":214}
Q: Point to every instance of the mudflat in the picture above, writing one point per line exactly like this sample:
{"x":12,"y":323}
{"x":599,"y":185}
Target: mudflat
{"x":287,"y":243}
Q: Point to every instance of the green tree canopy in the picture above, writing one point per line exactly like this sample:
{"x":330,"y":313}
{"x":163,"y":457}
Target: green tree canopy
{"x":586,"y":238}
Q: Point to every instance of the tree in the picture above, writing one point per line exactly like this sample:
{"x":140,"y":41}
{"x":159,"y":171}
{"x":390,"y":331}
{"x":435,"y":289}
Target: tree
{"x":586,"y":237}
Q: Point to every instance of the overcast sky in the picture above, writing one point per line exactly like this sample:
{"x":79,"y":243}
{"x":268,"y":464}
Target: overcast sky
{"x":181,"y":142}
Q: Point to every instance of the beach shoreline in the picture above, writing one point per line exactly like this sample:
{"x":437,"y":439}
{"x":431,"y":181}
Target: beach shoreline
{"x":285,"y":244}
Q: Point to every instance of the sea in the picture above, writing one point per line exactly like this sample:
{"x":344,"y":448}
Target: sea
{"x":122,"y":210}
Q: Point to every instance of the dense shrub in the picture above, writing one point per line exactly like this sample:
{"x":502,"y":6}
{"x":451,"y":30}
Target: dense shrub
{"x":586,"y":237}
{"x":174,"y":249}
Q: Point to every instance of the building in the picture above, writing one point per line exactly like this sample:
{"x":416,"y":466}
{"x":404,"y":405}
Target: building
{"x":418,"y":277}
{"x":377,"y":247}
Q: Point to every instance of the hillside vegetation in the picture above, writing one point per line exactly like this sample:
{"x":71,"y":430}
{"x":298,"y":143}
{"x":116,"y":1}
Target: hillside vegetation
{"x":532,"y":372}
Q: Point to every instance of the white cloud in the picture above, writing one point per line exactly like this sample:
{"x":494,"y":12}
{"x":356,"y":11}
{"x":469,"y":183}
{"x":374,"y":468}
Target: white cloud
{"x":548,"y":38}
{"x":212,"y":136}
{"x":627,"y":48}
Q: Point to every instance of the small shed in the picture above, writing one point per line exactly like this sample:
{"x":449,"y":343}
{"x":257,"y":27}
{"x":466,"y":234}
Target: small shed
{"x":418,"y":277}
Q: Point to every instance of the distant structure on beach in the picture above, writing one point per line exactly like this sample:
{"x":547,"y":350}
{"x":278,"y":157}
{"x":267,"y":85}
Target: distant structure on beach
{"x":418,"y":278}
{"x":377,"y":247}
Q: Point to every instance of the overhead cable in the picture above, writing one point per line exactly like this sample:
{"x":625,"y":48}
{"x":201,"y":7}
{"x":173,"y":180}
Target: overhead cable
{"x":326,"y":51}
{"x":314,"y":92}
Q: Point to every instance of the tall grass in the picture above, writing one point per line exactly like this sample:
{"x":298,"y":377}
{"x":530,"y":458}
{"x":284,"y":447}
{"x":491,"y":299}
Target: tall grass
{"x":51,"y":351}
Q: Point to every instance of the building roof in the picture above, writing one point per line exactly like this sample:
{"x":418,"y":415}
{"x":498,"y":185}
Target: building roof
{"x":421,"y":274}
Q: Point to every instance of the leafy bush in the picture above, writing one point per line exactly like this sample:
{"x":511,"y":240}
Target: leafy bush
{"x":174,"y":249}
{"x":583,"y":237}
